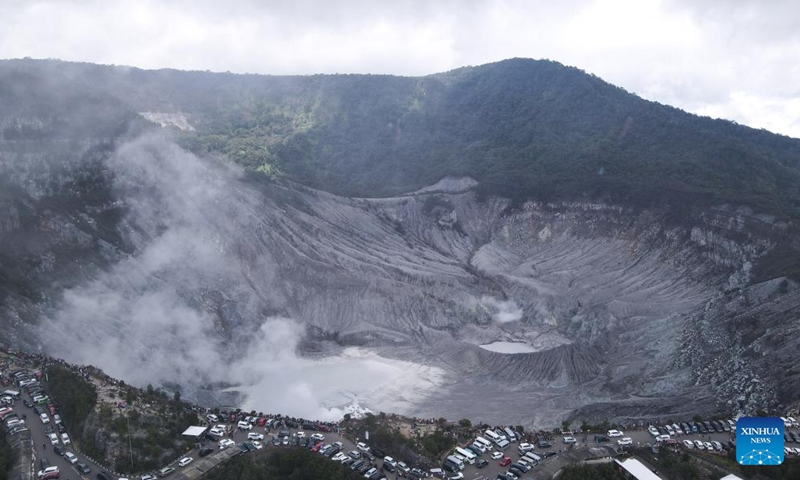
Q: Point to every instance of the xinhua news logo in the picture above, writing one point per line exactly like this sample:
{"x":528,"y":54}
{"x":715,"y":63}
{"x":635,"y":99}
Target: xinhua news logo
{"x":759,"y":441}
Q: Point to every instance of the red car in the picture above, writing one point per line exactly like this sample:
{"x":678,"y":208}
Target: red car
{"x":261,"y":421}
{"x":52,"y":408}
{"x":317,"y":447}
{"x":505,"y":461}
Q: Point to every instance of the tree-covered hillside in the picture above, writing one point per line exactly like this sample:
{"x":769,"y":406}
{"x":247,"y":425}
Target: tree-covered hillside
{"x":522,"y":128}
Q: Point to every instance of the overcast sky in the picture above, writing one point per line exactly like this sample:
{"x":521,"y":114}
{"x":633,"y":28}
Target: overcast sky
{"x":734,"y":59}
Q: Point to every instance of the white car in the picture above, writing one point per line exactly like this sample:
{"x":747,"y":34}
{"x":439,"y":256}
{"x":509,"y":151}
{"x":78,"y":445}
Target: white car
{"x":339,"y":457}
{"x":255,"y":436}
{"x":300,"y":434}
{"x":49,"y":472}
{"x":497,"y":455}
{"x":258,"y":445}
{"x":569,"y":440}
{"x":53,"y":438}
{"x":370,"y":472}
{"x":45,"y":418}
{"x":688,"y":444}
{"x":391,"y":461}
{"x":362,"y":446}
{"x":65,"y":439}
{"x":525,"y":447}
{"x":662,"y":438}
{"x":355,"y":454}
{"x":318,"y":436}
{"x":614,"y":433}
{"x":625,"y":441}
{"x":212,"y":418}
{"x":71,"y":457}
{"x":708,"y":446}
{"x":244,"y":425}
{"x":185,"y":461}
{"x":653,"y":431}
{"x":225,"y":443}
{"x":699,"y":445}
{"x":57,"y":418}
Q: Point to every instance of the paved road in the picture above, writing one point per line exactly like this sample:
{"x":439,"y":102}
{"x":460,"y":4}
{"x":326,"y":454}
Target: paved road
{"x":42,"y":446}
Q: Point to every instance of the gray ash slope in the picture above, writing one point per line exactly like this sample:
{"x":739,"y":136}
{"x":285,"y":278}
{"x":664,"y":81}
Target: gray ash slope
{"x":121,"y":249}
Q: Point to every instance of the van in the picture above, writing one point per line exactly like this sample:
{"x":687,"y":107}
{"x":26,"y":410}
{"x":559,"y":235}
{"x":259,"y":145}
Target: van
{"x":510,"y":435}
{"x":484,"y":443}
{"x":533,"y":457}
{"x":492,"y":436}
{"x":455,"y":461}
{"x":469,"y":457}
{"x":477,"y":448}
{"x":13,"y":394}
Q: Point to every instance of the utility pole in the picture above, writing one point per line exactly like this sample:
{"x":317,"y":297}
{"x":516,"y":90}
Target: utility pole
{"x":130,"y":442}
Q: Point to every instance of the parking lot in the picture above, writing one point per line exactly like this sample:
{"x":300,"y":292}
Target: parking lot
{"x":257,"y":436}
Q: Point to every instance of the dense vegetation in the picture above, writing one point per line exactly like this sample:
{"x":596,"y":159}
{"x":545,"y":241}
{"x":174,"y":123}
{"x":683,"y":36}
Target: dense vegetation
{"x":6,"y":456}
{"x":139,"y":438}
{"x":523,"y":128}
{"x":426,"y":450}
{"x":74,"y":395}
{"x":606,"y":471}
{"x":294,"y":464}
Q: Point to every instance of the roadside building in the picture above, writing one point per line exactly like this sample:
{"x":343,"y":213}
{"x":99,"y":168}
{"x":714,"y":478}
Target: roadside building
{"x":637,"y":470}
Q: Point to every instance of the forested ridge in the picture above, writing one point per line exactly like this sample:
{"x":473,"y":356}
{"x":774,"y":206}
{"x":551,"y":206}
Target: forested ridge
{"x":522,"y":128}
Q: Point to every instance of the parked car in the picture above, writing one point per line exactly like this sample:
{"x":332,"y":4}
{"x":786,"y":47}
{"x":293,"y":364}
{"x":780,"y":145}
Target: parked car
{"x":482,"y":463}
{"x":185,"y":461}
{"x":255,"y":436}
{"x":65,"y":439}
{"x":225,"y":443}
{"x":165,"y":471}
{"x":625,"y":441}
{"x":71,"y":457}
{"x":699,"y":445}
{"x":362,"y":446}
{"x":205,"y":451}
{"x":614,"y":433}
{"x":505,"y":461}
{"x":83,"y":468}
{"x":47,"y":473}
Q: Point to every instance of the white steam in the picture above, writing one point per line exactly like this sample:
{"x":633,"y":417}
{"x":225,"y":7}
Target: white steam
{"x":188,"y":306}
{"x":502,"y":311}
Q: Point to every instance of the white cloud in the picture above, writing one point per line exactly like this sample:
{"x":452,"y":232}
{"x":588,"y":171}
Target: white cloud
{"x":704,"y":57}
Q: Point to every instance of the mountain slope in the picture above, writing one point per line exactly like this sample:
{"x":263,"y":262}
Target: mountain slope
{"x":592,"y":229}
{"x":521,"y":127}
